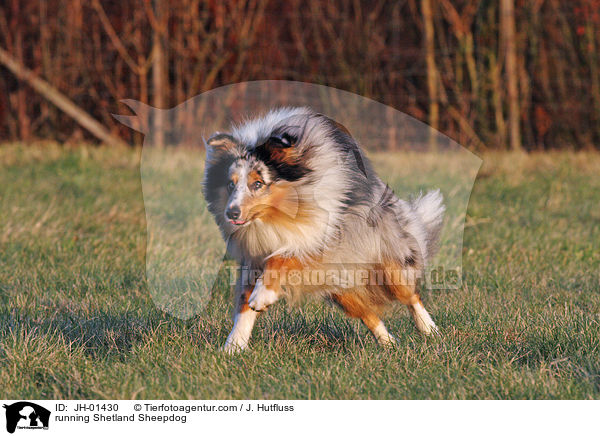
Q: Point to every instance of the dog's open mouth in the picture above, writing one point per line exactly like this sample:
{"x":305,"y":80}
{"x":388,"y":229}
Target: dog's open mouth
{"x":238,"y":222}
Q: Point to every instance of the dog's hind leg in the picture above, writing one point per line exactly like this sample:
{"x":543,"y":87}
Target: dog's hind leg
{"x":422,"y":318}
{"x":355,"y":307}
{"x":402,"y":285}
{"x":243,"y":322}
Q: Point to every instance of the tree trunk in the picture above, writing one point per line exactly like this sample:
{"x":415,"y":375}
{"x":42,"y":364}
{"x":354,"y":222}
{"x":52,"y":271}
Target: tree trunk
{"x":434,"y":110}
{"x":507,"y":29}
{"x":159,"y":73}
{"x":22,"y":116}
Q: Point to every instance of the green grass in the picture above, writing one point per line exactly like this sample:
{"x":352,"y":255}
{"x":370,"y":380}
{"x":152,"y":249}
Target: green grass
{"x":77,"y":320}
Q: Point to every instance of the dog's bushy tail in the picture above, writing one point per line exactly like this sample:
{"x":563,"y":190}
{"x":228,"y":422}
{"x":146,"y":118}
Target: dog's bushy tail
{"x":430,"y":208}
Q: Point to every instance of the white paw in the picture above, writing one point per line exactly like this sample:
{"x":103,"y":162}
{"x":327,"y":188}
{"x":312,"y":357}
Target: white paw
{"x":262,"y":297}
{"x":431,"y":330}
{"x":240,"y":334}
{"x":387,"y":340}
{"x":423,"y":320}
{"x":233,"y":347}
{"x":383,"y":336}
{"x":236,"y":341}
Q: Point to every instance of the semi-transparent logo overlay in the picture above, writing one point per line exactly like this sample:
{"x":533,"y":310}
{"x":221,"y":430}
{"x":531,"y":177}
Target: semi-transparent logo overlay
{"x":185,"y":251}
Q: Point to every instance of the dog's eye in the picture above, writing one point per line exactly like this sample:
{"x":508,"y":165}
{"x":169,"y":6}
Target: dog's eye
{"x":230,"y":186}
{"x":257,"y":185}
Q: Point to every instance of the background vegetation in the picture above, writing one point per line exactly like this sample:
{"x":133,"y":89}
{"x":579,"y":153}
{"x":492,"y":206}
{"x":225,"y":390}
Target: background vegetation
{"x":478,"y":70}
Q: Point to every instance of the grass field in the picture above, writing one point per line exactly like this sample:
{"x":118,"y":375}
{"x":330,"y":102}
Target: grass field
{"x":77,"y":321}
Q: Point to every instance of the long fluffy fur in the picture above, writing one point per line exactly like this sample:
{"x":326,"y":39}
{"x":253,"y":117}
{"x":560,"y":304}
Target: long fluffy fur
{"x":322,"y":203}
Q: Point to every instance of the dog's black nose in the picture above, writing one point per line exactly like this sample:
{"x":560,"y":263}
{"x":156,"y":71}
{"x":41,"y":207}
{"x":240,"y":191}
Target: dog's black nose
{"x":233,"y":213}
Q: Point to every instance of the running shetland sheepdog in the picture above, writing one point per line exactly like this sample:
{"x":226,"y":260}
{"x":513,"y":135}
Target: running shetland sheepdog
{"x":299,"y":203}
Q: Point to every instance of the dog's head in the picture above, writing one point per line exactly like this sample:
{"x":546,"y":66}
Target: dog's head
{"x":253,"y":175}
{"x":288,"y":172}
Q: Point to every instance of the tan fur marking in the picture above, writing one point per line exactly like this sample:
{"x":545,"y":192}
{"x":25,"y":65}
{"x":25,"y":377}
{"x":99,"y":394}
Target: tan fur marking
{"x":221,"y":143}
{"x":242,"y":304}
{"x":254,"y":177}
{"x":356,"y":307}
{"x":406,"y":293}
{"x":280,"y":206}
{"x":286,"y":155}
{"x":275,"y":267}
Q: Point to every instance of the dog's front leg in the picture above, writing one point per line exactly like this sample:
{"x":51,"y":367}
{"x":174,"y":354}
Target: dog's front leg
{"x":268,"y":286}
{"x":266,"y":292}
{"x":243,"y":322}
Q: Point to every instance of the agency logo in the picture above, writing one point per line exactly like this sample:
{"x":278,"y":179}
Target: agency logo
{"x":26,"y":415}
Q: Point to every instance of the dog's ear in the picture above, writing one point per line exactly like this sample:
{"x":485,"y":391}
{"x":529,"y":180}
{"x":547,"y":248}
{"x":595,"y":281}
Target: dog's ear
{"x":353,"y":149}
{"x":341,"y":127}
{"x":284,"y":140}
{"x":220,"y":142}
{"x":280,"y":153}
{"x":281,"y":148}
{"x":336,"y":125}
